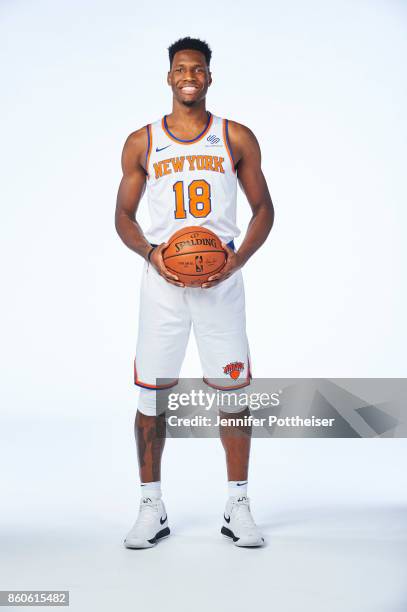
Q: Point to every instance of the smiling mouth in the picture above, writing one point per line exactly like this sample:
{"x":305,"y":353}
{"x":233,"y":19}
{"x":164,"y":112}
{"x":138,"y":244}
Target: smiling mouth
{"x":189,"y":89}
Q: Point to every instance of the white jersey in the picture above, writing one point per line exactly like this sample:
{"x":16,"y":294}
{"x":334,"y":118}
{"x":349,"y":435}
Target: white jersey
{"x":190,"y":182}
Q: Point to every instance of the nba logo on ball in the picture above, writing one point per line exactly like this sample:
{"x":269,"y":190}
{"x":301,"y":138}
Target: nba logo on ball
{"x":198,"y":263}
{"x":194,"y":254}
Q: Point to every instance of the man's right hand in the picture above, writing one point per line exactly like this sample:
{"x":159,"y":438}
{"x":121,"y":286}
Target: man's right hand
{"x":156,"y":260}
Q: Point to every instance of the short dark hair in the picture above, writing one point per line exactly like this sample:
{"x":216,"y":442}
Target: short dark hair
{"x":190,"y":43}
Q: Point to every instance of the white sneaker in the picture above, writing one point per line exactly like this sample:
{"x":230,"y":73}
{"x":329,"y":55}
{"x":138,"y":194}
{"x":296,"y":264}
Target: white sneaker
{"x":238,"y":523}
{"x":151,"y":525}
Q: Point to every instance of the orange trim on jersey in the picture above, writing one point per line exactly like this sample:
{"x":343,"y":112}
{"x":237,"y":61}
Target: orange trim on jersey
{"x":144,"y":385}
{"x":149,"y":147}
{"x":187,"y":142}
{"x":227,"y":145}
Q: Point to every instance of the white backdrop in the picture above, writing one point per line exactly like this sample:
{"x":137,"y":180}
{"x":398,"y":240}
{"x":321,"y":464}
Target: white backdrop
{"x":322,"y":85}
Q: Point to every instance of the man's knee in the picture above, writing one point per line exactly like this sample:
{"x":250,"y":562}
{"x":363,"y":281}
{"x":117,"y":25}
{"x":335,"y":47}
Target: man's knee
{"x":147,"y":402}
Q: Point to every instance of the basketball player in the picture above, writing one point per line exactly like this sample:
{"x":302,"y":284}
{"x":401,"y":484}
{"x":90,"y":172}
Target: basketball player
{"x":189,"y":162}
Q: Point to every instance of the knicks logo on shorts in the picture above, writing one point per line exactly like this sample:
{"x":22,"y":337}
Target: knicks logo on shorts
{"x":234,"y":369}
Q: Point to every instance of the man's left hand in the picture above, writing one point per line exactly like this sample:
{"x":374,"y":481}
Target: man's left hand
{"x":233,"y":263}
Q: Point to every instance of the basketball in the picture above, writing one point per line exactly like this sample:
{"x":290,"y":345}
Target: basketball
{"x":194,"y":254}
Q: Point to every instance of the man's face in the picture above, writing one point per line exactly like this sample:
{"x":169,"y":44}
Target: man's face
{"x":189,"y":77}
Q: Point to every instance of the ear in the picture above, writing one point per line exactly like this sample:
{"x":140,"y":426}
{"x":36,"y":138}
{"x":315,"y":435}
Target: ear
{"x":210,"y":79}
{"x":169,"y":77}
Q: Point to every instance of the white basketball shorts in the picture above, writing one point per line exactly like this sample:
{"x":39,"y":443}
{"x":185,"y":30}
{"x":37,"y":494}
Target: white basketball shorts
{"x":167,"y":313}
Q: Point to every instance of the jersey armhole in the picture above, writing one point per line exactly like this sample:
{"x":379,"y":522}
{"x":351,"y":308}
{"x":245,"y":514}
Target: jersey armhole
{"x":227,"y":143}
{"x":149,"y":147}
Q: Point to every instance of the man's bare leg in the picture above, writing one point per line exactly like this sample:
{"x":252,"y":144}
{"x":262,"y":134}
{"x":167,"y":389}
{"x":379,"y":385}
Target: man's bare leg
{"x":150,"y":434}
{"x":236,"y":442}
{"x":238,"y":523}
{"x":152,"y":522}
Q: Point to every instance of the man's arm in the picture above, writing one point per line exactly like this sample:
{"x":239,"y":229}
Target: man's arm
{"x":131,"y":190}
{"x":247,"y":155}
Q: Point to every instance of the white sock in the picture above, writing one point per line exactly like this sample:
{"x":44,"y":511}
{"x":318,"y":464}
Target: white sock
{"x":237,"y":488}
{"x":151,"y":489}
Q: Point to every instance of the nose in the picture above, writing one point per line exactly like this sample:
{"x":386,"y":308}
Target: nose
{"x":189,"y":75}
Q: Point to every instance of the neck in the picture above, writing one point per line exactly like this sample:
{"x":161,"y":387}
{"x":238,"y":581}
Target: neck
{"x":189,"y":114}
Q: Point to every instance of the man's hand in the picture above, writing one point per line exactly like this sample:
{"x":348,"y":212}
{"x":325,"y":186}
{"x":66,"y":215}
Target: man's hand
{"x":233,"y":263}
{"x":157,"y":262}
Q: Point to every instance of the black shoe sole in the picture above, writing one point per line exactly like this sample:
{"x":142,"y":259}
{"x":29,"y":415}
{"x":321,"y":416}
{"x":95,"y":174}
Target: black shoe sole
{"x":158,"y":536}
{"x":228,"y":533}
{"x":161,"y":534}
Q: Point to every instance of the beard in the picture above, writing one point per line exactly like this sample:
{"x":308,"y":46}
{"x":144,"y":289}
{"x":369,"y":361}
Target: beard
{"x":189,"y":102}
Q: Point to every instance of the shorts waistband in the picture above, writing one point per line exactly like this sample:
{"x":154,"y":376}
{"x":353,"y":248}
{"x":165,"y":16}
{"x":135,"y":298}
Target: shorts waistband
{"x":230,"y":244}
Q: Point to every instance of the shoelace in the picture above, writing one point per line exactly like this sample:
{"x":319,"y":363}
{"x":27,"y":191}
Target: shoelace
{"x":242,"y":513}
{"x":147,"y":510}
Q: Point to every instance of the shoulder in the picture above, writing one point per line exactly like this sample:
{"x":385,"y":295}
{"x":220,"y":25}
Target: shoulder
{"x":137,"y":139}
{"x":136,"y":147}
{"x":241,"y":132}
{"x":242,"y":140}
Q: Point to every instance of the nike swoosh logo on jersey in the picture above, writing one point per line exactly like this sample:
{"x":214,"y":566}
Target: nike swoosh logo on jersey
{"x":240,"y":484}
{"x":162,"y":521}
{"x":226,"y":519}
{"x":157,"y":150}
